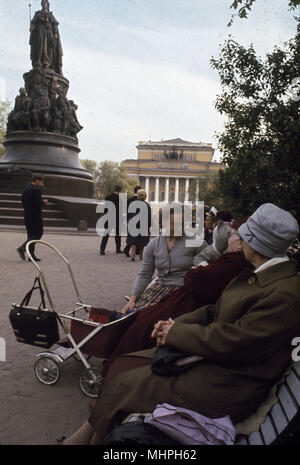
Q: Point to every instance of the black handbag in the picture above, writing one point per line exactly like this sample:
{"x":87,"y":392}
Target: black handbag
{"x":168,"y":361}
{"x":34,"y":326}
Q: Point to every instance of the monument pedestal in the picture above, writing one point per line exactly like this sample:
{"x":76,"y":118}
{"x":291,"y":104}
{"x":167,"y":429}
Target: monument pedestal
{"x":51,"y":154}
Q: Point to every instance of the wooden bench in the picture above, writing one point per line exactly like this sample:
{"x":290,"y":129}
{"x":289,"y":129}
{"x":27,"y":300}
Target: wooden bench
{"x":282,"y":425}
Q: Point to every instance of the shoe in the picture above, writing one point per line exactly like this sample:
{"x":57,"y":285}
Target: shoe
{"x":133,"y":259}
{"x":126,"y":297}
{"x":127,"y":254}
{"x":21,"y":253}
{"x":102,"y":252}
{"x":119,"y":251}
{"x":36,"y":259}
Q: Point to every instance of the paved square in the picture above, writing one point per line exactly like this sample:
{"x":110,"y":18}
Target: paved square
{"x":32,"y":413}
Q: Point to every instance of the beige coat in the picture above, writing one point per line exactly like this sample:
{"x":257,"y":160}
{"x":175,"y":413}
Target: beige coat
{"x":245,"y":340}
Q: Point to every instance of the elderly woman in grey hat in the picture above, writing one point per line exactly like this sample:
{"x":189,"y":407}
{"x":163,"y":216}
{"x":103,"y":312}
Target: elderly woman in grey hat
{"x":267,"y":235}
{"x":244,"y":340}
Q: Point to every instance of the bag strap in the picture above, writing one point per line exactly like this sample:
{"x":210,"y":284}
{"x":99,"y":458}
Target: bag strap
{"x":28,"y":296}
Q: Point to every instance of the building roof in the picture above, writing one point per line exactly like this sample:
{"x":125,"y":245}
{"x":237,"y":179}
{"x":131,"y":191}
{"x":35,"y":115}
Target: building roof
{"x":145,"y":162}
{"x":177,"y":141}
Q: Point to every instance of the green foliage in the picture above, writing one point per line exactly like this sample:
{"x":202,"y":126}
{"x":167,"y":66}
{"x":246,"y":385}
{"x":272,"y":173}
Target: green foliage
{"x":261,"y":142}
{"x":244,"y":7}
{"x":91,"y":166}
{"x":5,"y":108}
{"x":208,"y":189}
{"x":107,"y":175}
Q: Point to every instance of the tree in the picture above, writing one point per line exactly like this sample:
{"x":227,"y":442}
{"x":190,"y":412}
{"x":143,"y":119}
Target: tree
{"x":260,"y":144}
{"x":5,"y":108}
{"x":112,"y":174}
{"x":208,"y":189}
{"x":91,"y":166}
{"x":245,"y":6}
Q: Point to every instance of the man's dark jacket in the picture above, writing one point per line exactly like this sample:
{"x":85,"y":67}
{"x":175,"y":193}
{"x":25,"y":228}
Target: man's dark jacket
{"x":114,"y":198}
{"x":32,"y":203}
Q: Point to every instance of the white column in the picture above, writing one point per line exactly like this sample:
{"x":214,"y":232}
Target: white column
{"x":157,"y":190}
{"x":147,"y":188}
{"x":177,"y":190}
{"x":187,"y":186}
{"x":197,"y":193}
{"x":167,"y":190}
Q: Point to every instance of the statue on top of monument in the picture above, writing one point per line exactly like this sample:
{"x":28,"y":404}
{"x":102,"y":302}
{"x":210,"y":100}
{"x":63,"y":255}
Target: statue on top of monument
{"x":46,"y":48}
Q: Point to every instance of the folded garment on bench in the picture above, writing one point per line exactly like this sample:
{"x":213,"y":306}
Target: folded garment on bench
{"x":192,"y":428}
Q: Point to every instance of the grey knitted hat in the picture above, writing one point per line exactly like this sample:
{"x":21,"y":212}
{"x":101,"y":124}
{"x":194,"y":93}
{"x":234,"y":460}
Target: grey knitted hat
{"x":270,"y":230}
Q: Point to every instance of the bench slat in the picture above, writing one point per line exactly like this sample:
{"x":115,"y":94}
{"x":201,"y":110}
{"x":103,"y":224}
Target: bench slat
{"x":294,"y":385}
{"x":288,"y":403}
{"x":255,"y":439}
{"x":279,"y":417}
{"x":268,"y":431}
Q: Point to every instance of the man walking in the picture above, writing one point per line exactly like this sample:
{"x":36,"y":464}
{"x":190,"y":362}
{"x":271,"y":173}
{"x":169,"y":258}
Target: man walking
{"x":114,"y":198}
{"x":130,"y":215}
{"x":33,"y":203}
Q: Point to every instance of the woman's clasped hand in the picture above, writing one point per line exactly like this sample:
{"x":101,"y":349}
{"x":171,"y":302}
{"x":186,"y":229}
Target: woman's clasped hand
{"x":161,"y":330}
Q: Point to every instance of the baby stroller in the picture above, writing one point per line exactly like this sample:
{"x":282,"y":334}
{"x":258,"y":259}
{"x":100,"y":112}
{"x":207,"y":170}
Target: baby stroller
{"x":92,"y":335}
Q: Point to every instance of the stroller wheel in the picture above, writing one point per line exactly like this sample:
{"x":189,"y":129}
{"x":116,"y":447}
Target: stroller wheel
{"x":47,"y":370}
{"x":90,"y":382}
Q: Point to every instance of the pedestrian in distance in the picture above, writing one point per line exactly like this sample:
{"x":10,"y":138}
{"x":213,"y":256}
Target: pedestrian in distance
{"x":114,"y":198}
{"x":129,"y":216}
{"x":33,"y":204}
{"x":140,"y":241}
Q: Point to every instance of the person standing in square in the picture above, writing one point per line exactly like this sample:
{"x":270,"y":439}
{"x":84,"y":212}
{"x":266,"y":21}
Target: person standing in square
{"x":129,"y":216}
{"x":114,"y":198}
{"x":33,"y":204}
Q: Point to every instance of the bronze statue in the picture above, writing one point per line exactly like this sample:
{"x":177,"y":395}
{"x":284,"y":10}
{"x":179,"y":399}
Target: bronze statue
{"x":43,"y":105}
{"x":173,"y":154}
{"x":75,"y":127}
{"x":46,"y":49}
{"x":62,"y":111}
{"x":19,"y":119}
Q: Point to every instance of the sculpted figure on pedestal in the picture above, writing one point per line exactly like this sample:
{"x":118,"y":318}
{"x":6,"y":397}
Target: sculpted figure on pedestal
{"x":46,"y":49}
{"x":75,"y":127}
{"x":41,"y":106}
{"x":19,"y":119}
{"x":44,"y":105}
{"x":62,"y":105}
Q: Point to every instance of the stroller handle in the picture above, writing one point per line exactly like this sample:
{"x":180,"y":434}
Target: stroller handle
{"x":42,"y":274}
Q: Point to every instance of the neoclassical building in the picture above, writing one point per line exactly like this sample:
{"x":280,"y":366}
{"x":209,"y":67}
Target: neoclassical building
{"x":165,"y":169}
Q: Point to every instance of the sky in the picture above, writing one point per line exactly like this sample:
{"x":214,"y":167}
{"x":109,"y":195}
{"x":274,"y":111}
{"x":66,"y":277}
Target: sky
{"x":139,"y":69}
